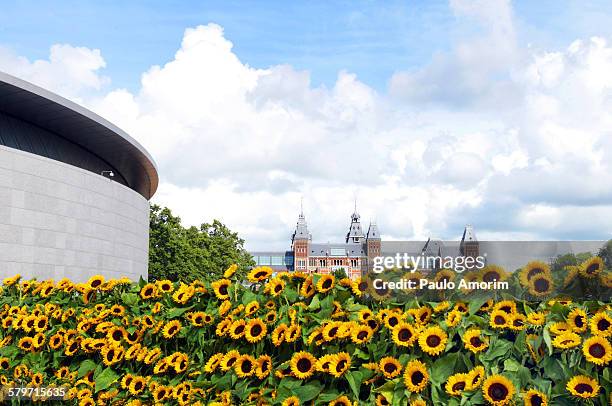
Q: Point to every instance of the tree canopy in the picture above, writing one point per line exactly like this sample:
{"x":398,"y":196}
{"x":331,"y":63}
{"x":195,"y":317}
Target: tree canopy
{"x":183,"y":253}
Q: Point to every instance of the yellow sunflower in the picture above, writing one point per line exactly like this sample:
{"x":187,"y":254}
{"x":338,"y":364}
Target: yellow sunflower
{"x":474,"y":341}
{"x":498,"y":390}
{"x":597,"y":350}
{"x":535,"y":398}
{"x":404,"y":334}
{"x":592,"y":267}
{"x":457,"y":383}
{"x":264,"y":366}
{"x":339,"y":364}
{"x":601,"y":324}
{"x":536,"y":318}
{"x":255,"y":330}
{"x":433,"y":340}
{"x":230,"y":271}
{"x":307,"y":289}
{"x":278,"y":334}
{"x":583,"y":387}
{"x":291,"y":401}
{"x":325,"y":283}
{"x":341,"y":401}
{"x":532,"y":269}
{"x":245,"y":366}
{"x":275,"y":287}
{"x":259,"y":274}
{"x":236,"y":330}
{"x":213,"y":362}
{"x":359,"y":286}
{"x":416,"y":376}
{"x":303,"y":364}
{"x":476,"y":376}
{"x":361,"y":334}
{"x":541,"y":285}
{"x":171,"y":328}
{"x":148,"y":291}
{"x":229,"y":360}
{"x":453,"y":318}
{"x":493,"y":273}
{"x":95,"y":281}
{"x":390,"y":367}
{"x":499,"y":319}
{"x":221,"y":288}
{"x":517,"y":322}
{"x":566,"y":340}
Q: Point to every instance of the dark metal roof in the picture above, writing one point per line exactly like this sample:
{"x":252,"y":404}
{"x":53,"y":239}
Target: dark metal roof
{"x":56,"y":114}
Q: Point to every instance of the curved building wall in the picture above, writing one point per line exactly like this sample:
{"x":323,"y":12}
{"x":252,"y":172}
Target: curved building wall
{"x":58,"y":220}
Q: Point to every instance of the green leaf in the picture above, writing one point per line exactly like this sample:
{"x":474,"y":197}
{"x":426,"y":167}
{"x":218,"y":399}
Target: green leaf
{"x":308,"y":392}
{"x":354,"y":380}
{"x":176,"y":312}
{"x":106,"y":378}
{"x":443,"y":368}
{"x":86,"y":366}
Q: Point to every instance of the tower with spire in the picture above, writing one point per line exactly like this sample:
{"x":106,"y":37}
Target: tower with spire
{"x":300,"y":242}
{"x":469,"y":246}
{"x":373,"y":245}
{"x":355,"y":233}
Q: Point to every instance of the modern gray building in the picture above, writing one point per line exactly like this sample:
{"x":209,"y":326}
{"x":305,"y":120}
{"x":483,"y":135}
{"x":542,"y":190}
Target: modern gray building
{"x":74,"y":190}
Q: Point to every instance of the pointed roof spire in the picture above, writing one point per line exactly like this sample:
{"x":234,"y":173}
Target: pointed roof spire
{"x":373,"y":233}
{"x":355,"y":233}
{"x":301,"y":228}
{"x":468,"y":234}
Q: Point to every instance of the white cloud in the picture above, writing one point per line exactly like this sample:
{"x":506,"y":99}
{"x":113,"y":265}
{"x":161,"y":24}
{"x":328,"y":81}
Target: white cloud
{"x":491,"y":133}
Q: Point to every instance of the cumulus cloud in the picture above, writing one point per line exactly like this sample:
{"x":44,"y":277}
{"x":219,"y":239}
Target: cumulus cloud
{"x":492,"y":133}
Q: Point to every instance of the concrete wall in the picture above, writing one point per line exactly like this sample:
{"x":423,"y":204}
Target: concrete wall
{"x":57,"y":220}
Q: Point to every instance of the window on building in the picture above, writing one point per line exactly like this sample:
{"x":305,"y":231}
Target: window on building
{"x":321,"y":262}
{"x":354,"y":262}
{"x":312,"y":262}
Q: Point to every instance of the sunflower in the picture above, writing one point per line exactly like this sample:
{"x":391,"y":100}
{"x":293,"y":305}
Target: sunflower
{"x":245,"y":366}
{"x":303,"y":364}
{"x":457,"y":383}
{"x":26,"y":344}
{"x":498,"y":390}
{"x":404,"y":334}
{"x":255,"y":330}
{"x":416,"y":376}
{"x":148,"y":291}
{"x":601,"y":324}
{"x":359,"y":286}
{"x":517,"y":322}
{"x":532,"y":269}
{"x":270,"y":317}
{"x":442,"y":307}
{"x":307,"y":289}
{"x":325,"y":283}
{"x":535,"y":398}
{"x":536,"y":318}
{"x":447,"y":275}
{"x":597,"y":350}
{"x":264,"y":366}
{"x":390,"y":367}
{"x":361,"y":334}
{"x":275,"y":287}
{"x":236,"y":330}
{"x":566,"y":340}
{"x":229,"y":360}
{"x":592,"y":267}
{"x":499,"y":319}
{"x":493,"y":273}
{"x":161,"y":393}
{"x":112,"y":355}
{"x":259,"y":274}
{"x":278,"y":335}
{"x":12,"y":280}
{"x":330,"y":330}
{"x":560,"y":327}
{"x":474,"y":341}
{"x":213,"y":362}
{"x":433,"y":340}
{"x":583,"y":387}
{"x":381,"y":400}
{"x":324,"y":362}
{"x":230,"y":271}
{"x":341,"y":401}
{"x":171,"y":328}
{"x":95,"y":281}
{"x":293,"y":332}
{"x":476,"y":376}
{"x":339,"y":364}
{"x":453,"y":318}
{"x":418,"y":402}
{"x":291,"y":401}
{"x":221,"y":288}
{"x":541,"y":285}
{"x":137,"y":385}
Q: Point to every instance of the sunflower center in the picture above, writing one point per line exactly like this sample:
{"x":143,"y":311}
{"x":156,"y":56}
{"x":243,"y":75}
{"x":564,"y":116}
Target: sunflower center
{"x":583,"y":388}
{"x":417,"y":377}
{"x":362,"y":335}
{"x":459,"y":386}
{"x":476,"y":341}
{"x":390,"y":368}
{"x":239,"y":329}
{"x":327,"y":284}
{"x":333,"y":331}
{"x":433,"y":341}
{"x":304,"y":365}
{"x":223,"y":289}
{"x":498,"y":391}
{"x":264,"y":365}
{"x":393,"y":321}
{"x":148,"y":292}
{"x":499,"y":320}
{"x":579,"y":321}
{"x":404,"y":335}
{"x":172,"y":330}
{"x":490,"y":277}
{"x":256,"y":330}
{"x":592,"y":268}
{"x":541,"y":285}
{"x":117,"y":335}
{"x":597,"y":350}
{"x":340,"y":366}
{"x":603,"y":325}
{"x":278,"y":288}
{"x":362,"y":286}
{"x":246,"y":366}
{"x":536,"y":400}
{"x":260,"y":274}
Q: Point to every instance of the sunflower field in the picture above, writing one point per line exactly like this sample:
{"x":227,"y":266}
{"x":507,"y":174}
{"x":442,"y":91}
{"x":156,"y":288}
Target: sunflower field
{"x":258,"y":338}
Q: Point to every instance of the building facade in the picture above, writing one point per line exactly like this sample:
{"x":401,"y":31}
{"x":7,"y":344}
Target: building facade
{"x":74,"y":190}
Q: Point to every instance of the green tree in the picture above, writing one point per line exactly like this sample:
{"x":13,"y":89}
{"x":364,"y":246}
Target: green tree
{"x":605,"y":253}
{"x":185,"y":254}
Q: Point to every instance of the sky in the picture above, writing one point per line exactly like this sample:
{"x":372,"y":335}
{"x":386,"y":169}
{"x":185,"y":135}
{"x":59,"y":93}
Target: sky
{"x":431,"y":114}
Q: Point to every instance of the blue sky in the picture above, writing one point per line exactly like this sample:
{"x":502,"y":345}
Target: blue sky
{"x":435,"y":114}
{"x":370,"y":38}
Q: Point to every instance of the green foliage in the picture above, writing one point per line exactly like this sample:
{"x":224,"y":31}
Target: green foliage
{"x":605,"y":253}
{"x":185,"y":254}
